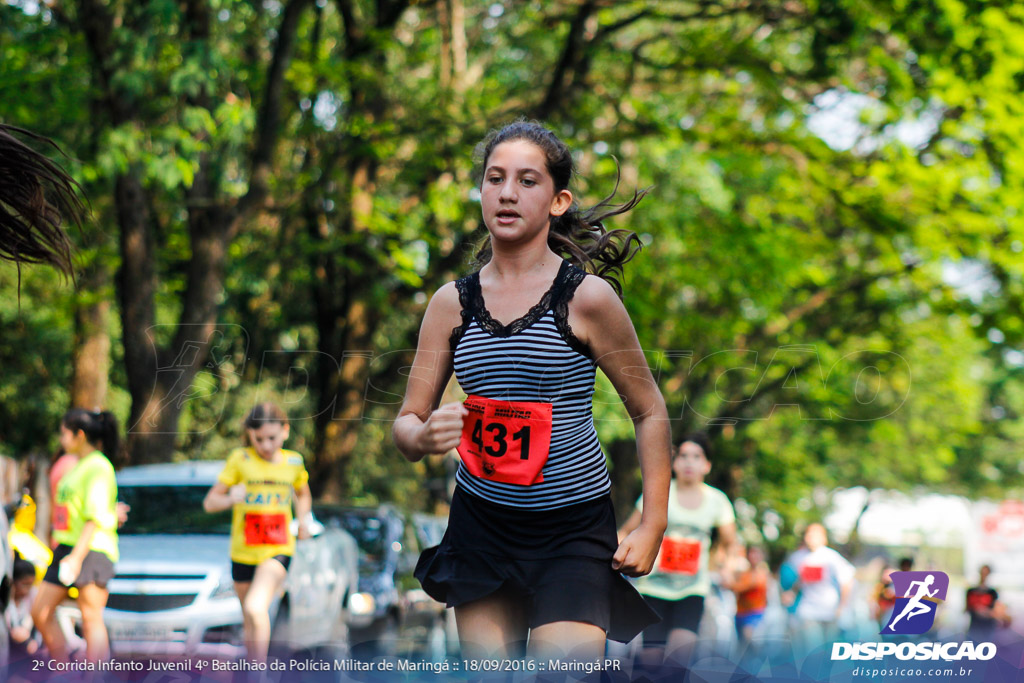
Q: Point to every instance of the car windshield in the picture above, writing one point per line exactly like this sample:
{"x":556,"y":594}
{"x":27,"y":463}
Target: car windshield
{"x":170,"y":510}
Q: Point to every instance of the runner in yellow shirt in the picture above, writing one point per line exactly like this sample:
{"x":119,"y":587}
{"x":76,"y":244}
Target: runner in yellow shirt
{"x":260,"y":483}
{"x":85,"y":529}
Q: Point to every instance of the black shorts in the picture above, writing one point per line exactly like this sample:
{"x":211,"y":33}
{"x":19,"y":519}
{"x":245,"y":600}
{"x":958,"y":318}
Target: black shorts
{"x":555,"y":563}
{"x":243,"y":573}
{"x":97,"y":568}
{"x":684,"y":614}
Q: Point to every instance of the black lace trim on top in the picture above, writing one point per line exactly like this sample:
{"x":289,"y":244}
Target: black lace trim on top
{"x":573,"y":277}
{"x":556,"y":299}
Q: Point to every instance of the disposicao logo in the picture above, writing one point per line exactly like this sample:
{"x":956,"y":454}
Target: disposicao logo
{"x":919,"y":595}
{"x":914,"y":614}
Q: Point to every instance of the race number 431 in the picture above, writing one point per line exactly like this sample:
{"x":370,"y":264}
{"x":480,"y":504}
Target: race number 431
{"x":506,"y":441}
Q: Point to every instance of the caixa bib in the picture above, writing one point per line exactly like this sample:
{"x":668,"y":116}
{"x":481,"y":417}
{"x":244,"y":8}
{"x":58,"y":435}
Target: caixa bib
{"x":506,"y":441}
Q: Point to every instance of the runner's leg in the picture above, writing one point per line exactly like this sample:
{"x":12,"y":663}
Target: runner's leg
{"x":44,"y":615}
{"x":567,"y":640}
{"x":493,"y":626}
{"x":91,"y":601}
{"x":242,"y":590}
{"x":680,"y":646}
{"x":266,"y":583}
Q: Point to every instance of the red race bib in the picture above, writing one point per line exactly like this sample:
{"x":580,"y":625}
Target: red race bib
{"x":811,"y":574}
{"x":265,"y":529}
{"x":976,"y":600}
{"x":506,"y":441}
{"x":60,"y":517}
{"x":679,"y":556}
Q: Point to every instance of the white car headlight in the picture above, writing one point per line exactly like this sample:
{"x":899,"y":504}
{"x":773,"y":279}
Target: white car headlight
{"x":361,"y":603}
{"x":225,"y":589}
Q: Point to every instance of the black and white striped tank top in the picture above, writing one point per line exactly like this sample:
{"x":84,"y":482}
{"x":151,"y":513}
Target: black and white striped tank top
{"x":535,"y":358}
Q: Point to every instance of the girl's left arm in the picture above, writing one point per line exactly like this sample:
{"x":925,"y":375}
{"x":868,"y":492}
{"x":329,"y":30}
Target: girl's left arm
{"x":303,"y":510}
{"x":600,"y":321}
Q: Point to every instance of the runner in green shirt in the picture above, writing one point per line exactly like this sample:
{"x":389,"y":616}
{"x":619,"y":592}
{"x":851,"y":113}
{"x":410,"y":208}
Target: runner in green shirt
{"x":680,"y":581}
{"x":85,"y":528}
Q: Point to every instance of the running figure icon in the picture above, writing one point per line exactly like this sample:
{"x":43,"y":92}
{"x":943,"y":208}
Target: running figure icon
{"x":914,"y":606}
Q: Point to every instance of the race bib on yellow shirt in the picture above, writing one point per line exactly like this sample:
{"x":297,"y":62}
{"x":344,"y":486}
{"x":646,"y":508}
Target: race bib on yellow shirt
{"x":266,"y":529}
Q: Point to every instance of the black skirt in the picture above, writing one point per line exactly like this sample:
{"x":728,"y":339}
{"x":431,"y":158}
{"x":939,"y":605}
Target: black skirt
{"x":558,"y":562}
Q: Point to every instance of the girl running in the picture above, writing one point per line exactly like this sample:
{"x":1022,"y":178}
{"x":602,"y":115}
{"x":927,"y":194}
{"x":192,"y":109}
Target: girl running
{"x":679,"y":583}
{"x":257,"y":483}
{"x":530,"y":551}
{"x":85,"y":529}
{"x":750,"y":585}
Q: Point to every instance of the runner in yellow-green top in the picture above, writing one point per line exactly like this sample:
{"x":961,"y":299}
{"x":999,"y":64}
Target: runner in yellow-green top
{"x":86,"y":532}
{"x":260,"y":483}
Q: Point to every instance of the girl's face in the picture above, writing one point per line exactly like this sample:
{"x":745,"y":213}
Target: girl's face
{"x":518,"y":195}
{"x":268,"y":439}
{"x":71,"y":442}
{"x":690,"y":464}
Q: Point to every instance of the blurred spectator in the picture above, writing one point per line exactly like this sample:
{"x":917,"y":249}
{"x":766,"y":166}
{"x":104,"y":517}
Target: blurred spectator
{"x":984,"y":607}
{"x":25,"y":639}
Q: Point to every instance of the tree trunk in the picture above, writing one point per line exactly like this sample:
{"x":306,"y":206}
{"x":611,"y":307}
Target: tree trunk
{"x":341,"y":428}
{"x":91,"y":355}
{"x":162,"y":364}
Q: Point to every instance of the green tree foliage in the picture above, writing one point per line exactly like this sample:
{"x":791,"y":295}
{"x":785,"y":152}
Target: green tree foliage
{"x":832,"y":277}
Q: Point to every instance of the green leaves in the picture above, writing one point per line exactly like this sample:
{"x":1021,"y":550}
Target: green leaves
{"x":840,"y":301}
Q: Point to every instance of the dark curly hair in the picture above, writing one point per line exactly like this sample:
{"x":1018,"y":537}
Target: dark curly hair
{"x":578,"y":235}
{"x":35,"y":194}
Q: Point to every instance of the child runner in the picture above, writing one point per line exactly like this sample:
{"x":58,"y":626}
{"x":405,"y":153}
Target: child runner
{"x":751,"y":588}
{"x":62,"y":464}
{"x":824,"y":582}
{"x":257,"y":484}
{"x":530,"y":550}
{"x":86,"y":534}
{"x":883,"y":597}
{"x":680,"y":581}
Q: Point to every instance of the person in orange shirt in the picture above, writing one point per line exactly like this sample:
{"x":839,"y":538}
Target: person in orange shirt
{"x":884,"y":597}
{"x":751,"y":588}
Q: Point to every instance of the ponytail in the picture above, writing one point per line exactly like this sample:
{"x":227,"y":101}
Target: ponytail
{"x":100,"y":428}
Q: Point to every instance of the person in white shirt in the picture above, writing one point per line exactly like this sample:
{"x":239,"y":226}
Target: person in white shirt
{"x":824,"y":581}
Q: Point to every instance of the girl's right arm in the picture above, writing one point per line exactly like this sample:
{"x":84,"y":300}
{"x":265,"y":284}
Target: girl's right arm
{"x":220,"y":497}
{"x":421,"y":427}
